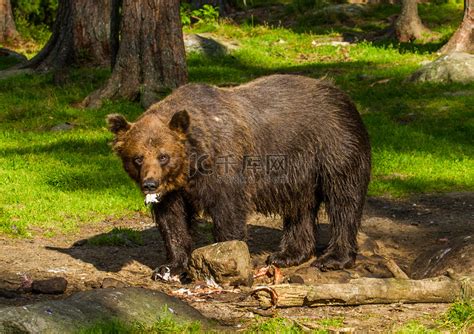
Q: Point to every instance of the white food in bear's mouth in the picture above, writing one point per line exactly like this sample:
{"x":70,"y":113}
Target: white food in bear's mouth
{"x":152,"y":198}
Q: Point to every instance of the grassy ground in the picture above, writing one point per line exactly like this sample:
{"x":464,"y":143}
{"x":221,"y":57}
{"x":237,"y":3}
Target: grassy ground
{"x":421,"y":133}
{"x":458,"y":319}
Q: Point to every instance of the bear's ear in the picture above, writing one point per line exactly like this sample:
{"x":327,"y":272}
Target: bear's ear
{"x":180,"y":121}
{"x":117,"y":123}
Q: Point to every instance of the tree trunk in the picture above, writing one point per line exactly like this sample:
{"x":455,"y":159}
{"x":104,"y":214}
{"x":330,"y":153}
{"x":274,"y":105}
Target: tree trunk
{"x":366,"y":291}
{"x":7,"y":24}
{"x":463,"y":38}
{"x":81,"y":36}
{"x":408,"y":26}
{"x":151,"y":59}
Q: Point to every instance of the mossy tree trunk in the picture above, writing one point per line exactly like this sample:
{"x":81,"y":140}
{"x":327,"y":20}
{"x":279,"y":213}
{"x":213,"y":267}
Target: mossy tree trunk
{"x":7,"y":24}
{"x":408,"y":26}
{"x":151,"y":60}
{"x":463,"y":38}
{"x":81,"y":36}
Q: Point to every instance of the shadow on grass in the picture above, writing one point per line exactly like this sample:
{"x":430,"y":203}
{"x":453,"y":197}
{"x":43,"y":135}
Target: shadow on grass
{"x":76,"y":164}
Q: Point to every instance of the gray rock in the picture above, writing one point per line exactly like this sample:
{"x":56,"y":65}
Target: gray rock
{"x":66,"y":126}
{"x":207,"y":45}
{"x":225,"y":262}
{"x":345,"y":10}
{"x":455,"y":67}
{"x":51,"y":286}
{"x":85,"y":308}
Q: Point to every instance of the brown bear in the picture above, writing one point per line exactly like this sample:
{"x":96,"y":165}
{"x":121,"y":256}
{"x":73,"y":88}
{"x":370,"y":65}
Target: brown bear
{"x":281,"y":144}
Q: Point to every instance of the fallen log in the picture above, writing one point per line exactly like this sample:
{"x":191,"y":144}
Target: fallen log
{"x":366,"y":291}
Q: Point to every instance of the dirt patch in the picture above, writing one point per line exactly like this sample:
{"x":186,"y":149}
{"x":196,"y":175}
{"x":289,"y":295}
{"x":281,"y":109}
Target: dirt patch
{"x":424,"y":235}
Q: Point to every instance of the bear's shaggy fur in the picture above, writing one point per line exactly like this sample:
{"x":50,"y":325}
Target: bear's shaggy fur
{"x":282,"y":144}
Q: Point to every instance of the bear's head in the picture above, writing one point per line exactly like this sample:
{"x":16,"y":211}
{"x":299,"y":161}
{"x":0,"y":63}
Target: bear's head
{"x":153,"y":151}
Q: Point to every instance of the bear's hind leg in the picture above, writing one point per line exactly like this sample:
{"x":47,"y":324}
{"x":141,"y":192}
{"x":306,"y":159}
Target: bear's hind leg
{"x":298,"y":241}
{"x":171,"y":216}
{"x":344,"y":213}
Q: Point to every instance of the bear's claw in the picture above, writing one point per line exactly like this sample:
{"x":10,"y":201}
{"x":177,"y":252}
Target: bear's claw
{"x":329,"y":262}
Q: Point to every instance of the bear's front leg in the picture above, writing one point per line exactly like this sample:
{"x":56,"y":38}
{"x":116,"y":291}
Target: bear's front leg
{"x":171,"y":216}
{"x":229,"y":217}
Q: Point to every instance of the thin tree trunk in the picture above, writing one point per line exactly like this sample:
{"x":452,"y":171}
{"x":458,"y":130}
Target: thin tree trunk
{"x":463,"y":38}
{"x":408,"y":26}
{"x":81,"y":36}
{"x":7,"y":24}
{"x":151,"y":58}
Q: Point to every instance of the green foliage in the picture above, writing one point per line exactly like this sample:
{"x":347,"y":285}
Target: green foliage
{"x":118,"y":236}
{"x":460,"y":314}
{"x":207,"y":14}
{"x":36,"y":12}
{"x":34,"y":18}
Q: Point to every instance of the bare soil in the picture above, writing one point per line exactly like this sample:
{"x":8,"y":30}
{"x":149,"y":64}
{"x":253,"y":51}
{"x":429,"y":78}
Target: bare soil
{"x":424,"y":235}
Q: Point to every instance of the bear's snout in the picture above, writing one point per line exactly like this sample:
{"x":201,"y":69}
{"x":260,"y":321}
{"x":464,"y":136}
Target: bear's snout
{"x":150,"y":185}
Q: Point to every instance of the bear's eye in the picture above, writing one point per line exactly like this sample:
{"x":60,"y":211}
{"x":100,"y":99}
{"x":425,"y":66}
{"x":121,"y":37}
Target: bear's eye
{"x":163,"y":159}
{"x":138,"y":161}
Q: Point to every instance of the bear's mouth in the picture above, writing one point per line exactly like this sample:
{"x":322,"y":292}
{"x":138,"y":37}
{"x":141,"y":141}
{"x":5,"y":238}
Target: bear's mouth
{"x":152,"y":198}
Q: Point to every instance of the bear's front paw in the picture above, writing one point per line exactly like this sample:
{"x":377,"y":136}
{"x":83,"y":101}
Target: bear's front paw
{"x":169,"y":273}
{"x":285,"y":259}
{"x":331,"y":261}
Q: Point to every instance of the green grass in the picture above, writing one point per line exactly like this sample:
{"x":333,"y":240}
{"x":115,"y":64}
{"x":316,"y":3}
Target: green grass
{"x":421,"y":134}
{"x":166,"y":324}
{"x":274,"y":325}
{"x":460,"y":315}
{"x":457,"y":319}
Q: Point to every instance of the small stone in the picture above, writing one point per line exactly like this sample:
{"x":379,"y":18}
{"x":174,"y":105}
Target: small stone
{"x":66,"y":126}
{"x":296,"y":279}
{"x":51,"y":286}
{"x":109,"y":282}
{"x":225,"y":262}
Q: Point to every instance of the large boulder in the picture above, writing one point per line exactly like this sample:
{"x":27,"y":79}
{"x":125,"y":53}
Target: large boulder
{"x":86,"y":308}
{"x":224,"y":262}
{"x":455,"y":67}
